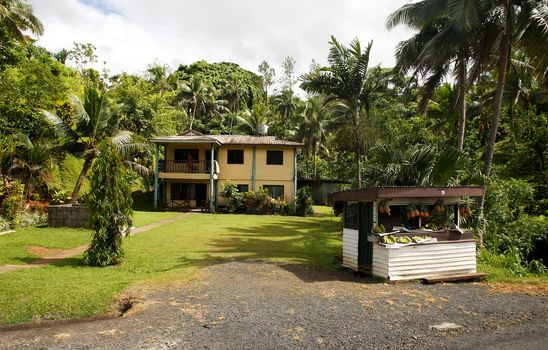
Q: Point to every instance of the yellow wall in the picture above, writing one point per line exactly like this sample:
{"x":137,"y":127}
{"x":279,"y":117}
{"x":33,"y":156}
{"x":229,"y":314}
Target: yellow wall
{"x":242,"y":173}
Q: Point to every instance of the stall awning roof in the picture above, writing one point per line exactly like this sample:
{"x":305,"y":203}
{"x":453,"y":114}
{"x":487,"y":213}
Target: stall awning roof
{"x":367,"y":194}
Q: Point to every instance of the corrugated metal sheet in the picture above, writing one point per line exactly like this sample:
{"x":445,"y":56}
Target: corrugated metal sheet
{"x":368,"y":194}
{"x":350,"y":248}
{"x":419,"y":261}
{"x":226,"y":140}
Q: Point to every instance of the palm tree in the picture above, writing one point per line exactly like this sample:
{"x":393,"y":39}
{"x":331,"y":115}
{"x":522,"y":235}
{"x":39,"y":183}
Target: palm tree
{"x":508,"y":22}
{"x":286,"y":104}
{"x":199,"y":98}
{"x":442,"y":44}
{"x":17,"y":17}
{"x":313,"y":128}
{"x":33,"y":160}
{"x":345,"y":81}
{"x":251,"y":120}
{"x":237,"y":95}
{"x":419,"y":165}
{"x":93,"y":120}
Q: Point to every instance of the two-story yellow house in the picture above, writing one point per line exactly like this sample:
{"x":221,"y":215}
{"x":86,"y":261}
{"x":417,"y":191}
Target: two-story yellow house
{"x":195,"y":167}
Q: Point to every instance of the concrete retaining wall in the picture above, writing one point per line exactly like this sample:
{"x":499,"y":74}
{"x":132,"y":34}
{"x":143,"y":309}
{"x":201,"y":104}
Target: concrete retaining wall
{"x":68,"y":215}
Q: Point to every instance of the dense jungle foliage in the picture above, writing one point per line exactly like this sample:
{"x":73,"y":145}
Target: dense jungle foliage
{"x":466,"y":103}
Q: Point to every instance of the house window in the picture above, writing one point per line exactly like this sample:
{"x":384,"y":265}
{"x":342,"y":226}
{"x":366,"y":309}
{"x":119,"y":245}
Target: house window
{"x":235,"y":156}
{"x":188,"y":191}
{"x":351,"y":215}
{"x":181,"y":191}
{"x":275,"y":157}
{"x":243,"y":188}
{"x":275,"y":191}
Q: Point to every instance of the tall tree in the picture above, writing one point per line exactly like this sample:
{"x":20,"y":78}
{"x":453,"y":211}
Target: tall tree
{"x":313,"y":128}
{"x":345,"y":81}
{"x":199,"y":97}
{"x":268,"y":74}
{"x":287,"y":79}
{"x":509,"y":22}
{"x":17,"y":17}
{"x":441,"y":44}
{"x":92,"y":121}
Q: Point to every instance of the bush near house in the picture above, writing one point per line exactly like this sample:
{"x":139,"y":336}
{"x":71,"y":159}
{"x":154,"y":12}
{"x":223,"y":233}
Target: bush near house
{"x":304,"y":202}
{"x":255,"y":202}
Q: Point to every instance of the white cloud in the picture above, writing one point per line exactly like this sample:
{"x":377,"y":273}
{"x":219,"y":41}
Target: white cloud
{"x":129,"y":34}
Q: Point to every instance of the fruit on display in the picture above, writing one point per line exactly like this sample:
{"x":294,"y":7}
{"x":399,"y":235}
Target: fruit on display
{"x":439,"y":208}
{"x":403,"y":240}
{"x":465,"y":210}
{"x":384,"y":208}
{"x":379,"y":229}
{"x":389,"y":240}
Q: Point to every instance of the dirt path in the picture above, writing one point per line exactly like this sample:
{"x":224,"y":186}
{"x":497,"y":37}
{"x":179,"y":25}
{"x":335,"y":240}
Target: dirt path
{"x":262,"y":305}
{"x":64,"y":254}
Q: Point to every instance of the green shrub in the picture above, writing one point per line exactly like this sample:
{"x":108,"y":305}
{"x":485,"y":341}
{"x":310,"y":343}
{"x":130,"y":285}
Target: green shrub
{"x":5,"y":225}
{"x":303,"y":202}
{"x":33,"y":218}
{"x":510,"y":232}
{"x":12,"y":204}
{"x":60,"y":197}
{"x":109,"y":203}
{"x":257,"y":202}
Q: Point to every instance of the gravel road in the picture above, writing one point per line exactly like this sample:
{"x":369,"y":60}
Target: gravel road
{"x":261,"y":305}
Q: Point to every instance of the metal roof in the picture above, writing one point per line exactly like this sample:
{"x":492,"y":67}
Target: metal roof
{"x":367,"y":194}
{"x":195,"y":137}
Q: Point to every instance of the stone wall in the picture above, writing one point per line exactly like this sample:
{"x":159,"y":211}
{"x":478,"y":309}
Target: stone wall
{"x":68,"y":215}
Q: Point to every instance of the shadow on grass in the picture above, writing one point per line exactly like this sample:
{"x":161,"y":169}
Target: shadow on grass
{"x":307,"y":248}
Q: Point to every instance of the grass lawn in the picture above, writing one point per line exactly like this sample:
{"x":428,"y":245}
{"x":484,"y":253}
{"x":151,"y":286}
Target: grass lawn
{"x":13,"y":245}
{"x":171,"y":252}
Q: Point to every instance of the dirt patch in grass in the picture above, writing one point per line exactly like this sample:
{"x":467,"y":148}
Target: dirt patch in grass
{"x":522,"y":288}
{"x":43,"y":252}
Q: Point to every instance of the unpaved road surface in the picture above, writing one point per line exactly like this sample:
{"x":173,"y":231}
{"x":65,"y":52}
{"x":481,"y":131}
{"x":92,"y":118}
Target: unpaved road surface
{"x":260,"y":305}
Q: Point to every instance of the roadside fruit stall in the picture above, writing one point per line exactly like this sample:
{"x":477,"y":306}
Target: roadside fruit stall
{"x":402,"y":233}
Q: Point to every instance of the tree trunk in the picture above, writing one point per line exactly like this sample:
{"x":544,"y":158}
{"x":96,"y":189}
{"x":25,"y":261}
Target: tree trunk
{"x":493,"y":128}
{"x":81,"y":177}
{"x":314,"y":155}
{"x":355,"y":119}
{"x":461,"y":129}
{"x":27,"y":185}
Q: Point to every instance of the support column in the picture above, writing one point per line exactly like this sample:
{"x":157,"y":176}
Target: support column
{"x":211,"y":190}
{"x":156,"y":170}
{"x":295,"y":179}
{"x":254,"y":170}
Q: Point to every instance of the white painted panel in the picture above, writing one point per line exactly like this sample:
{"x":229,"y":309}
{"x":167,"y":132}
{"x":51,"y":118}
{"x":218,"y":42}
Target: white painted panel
{"x":419,"y":261}
{"x":350,"y":248}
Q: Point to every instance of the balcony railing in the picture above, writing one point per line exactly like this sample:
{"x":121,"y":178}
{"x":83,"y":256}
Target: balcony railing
{"x":184,"y":166}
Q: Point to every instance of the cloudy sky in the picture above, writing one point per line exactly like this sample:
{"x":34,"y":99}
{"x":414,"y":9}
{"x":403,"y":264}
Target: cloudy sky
{"x":130,"y":34}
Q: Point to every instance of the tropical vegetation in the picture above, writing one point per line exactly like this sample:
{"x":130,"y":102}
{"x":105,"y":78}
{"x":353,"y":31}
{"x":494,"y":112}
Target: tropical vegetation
{"x":466,"y":103}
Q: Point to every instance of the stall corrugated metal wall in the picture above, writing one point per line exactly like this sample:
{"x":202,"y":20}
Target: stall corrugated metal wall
{"x":350,"y":248}
{"x":419,"y":261}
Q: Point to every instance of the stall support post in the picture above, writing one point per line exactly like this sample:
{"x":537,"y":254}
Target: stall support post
{"x":211,"y":164}
{"x":156,"y":169}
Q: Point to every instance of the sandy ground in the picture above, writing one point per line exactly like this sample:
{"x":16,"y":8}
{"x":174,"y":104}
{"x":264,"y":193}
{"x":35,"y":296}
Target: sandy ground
{"x":262,"y":305}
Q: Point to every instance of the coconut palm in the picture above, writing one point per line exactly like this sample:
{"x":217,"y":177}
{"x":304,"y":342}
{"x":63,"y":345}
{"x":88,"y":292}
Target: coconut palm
{"x":199,"y":97}
{"x":441,"y":45}
{"x":93,"y":120}
{"x":313,"y":128}
{"x":286,"y":105}
{"x":345,"y":81}
{"x":17,"y":17}
{"x":250,"y":120}
{"x":509,"y":22}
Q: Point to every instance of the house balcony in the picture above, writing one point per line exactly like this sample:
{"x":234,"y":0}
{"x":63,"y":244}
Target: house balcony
{"x":184,"y":169}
